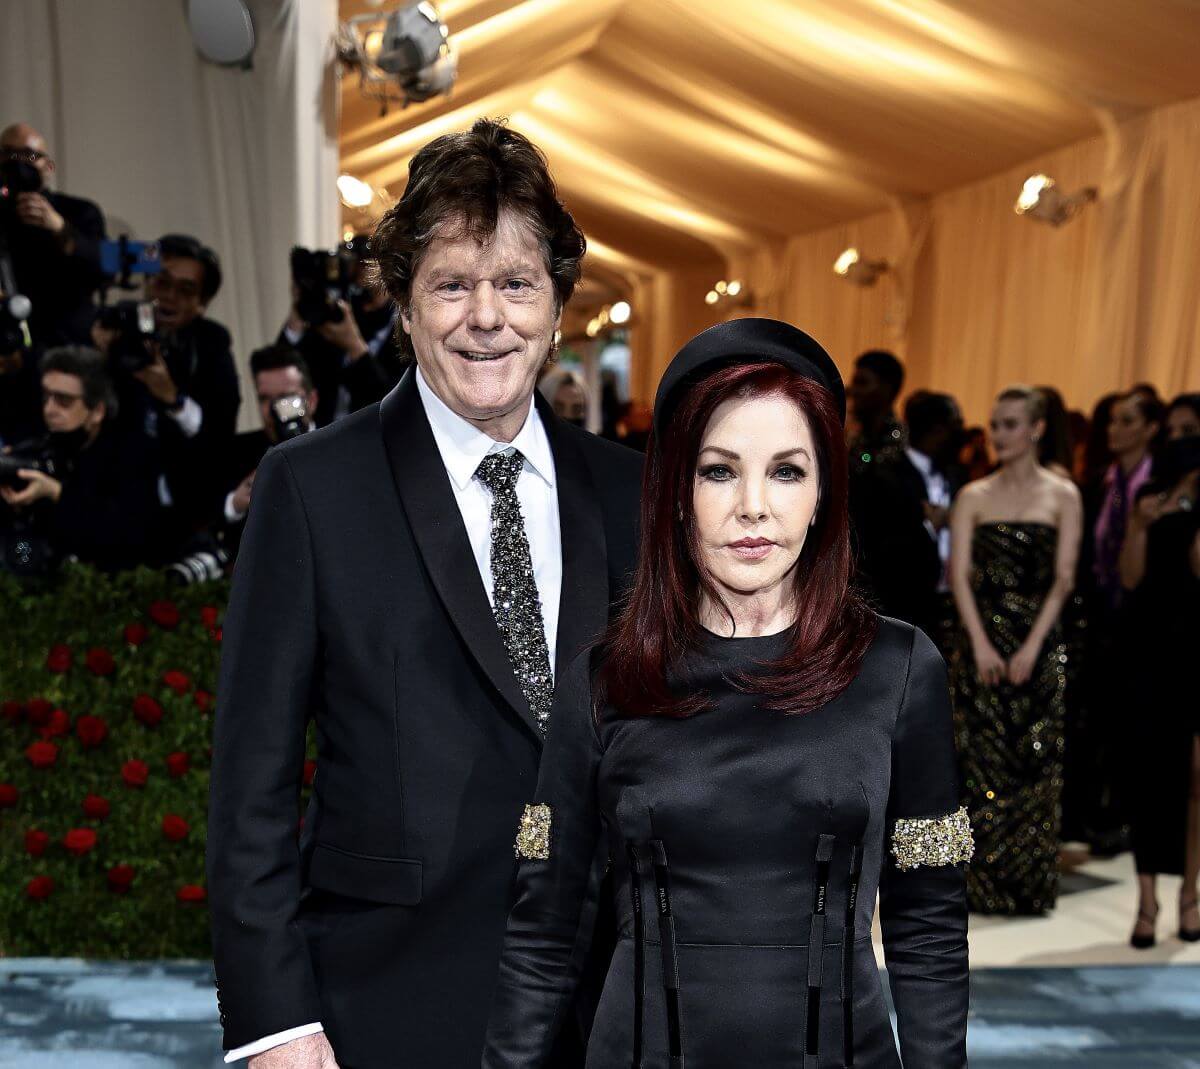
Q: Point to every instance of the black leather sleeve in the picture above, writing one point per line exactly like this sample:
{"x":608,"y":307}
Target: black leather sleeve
{"x":923,"y":909}
{"x":269,"y":652}
{"x":551,"y":925}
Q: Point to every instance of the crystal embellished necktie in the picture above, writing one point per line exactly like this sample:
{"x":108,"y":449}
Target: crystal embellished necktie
{"x":515,"y":601}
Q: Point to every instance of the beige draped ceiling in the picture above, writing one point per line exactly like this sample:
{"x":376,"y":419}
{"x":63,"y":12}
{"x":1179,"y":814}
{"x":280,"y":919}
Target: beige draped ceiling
{"x":704,"y":139}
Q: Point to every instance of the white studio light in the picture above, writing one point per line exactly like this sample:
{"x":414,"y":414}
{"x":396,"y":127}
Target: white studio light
{"x":1041,"y":198}
{"x":405,"y":55}
{"x":619,"y":313}
{"x":851,"y":266}
{"x":734,"y":288}
{"x":728,"y":292}
{"x":711,"y":297}
{"x":355,"y":193}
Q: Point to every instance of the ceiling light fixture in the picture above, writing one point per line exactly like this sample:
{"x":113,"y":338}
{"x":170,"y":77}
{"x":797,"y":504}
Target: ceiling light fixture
{"x":404,"y":56}
{"x":732,"y":292}
{"x":1041,"y":198}
{"x":852,"y":267}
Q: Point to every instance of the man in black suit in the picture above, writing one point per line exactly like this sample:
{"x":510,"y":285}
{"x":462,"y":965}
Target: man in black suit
{"x":900,"y":507}
{"x":415,"y":576}
{"x":53,"y":240}
{"x":281,"y":374}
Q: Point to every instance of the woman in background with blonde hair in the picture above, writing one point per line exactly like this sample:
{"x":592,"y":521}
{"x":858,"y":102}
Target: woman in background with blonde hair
{"x":1015,"y":542}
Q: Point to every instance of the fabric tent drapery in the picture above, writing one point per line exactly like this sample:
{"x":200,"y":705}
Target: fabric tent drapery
{"x":244,"y":159}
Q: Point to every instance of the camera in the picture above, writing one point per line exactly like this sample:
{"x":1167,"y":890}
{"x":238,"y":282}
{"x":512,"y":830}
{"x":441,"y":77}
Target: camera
{"x":290,"y":417}
{"x":133,"y":322}
{"x":322,"y":278}
{"x":36,"y":455}
{"x":204,"y":566}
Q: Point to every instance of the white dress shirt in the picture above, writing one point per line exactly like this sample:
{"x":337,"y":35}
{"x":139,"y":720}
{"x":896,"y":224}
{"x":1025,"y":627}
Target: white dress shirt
{"x":937,"y":490}
{"x":462,"y":447}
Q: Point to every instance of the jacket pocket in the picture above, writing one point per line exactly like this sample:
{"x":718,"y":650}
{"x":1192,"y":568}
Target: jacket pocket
{"x":392,"y":881}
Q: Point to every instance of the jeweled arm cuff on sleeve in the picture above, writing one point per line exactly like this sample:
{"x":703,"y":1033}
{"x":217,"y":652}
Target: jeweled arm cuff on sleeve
{"x":932,"y":841}
{"x":533,"y":836}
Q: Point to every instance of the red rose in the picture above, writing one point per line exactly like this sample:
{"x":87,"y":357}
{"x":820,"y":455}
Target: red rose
{"x":42,"y":754}
{"x":174,"y":827}
{"x":203,"y":700}
{"x":208,"y":616}
{"x":39,"y":711}
{"x":120,"y":877}
{"x":178,"y":763}
{"x":147,"y":710}
{"x":58,"y":724}
{"x":136,"y":633}
{"x":91,"y":731}
{"x":190,"y":892}
{"x":310,"y":770}
{"x":100,"y":662}
{"x":79,"y":841}
{"x":39,"y":887}
{"x":12,"y":711}
{"x":135,"y":773}
{"x":177,"y":681}
{"x":36,"y":842}
{"x":165,"y":614}
{"x":59,"y":658}
{"x":96,"y":807}
{"x":8,"y":795}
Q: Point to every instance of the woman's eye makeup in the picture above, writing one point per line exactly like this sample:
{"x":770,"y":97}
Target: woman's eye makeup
{"x":790,"y":473}
{"x":715,"y":472}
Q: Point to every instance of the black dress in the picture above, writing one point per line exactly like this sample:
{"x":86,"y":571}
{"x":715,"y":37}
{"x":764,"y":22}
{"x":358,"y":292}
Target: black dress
{"x":1161,"y":625}
{"x":747,"y":847}
{"x":1010,"y":739}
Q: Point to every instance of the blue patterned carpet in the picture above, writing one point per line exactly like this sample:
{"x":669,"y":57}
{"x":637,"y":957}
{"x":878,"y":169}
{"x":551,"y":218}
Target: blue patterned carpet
{"x":61,"y":1014}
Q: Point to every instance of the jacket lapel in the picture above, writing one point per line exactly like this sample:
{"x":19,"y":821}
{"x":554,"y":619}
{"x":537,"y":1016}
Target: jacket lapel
{"x":583,"y":604}
{"x":428,"y":500}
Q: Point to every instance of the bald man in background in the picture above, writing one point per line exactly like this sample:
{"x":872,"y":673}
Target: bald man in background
{"x":53,"y":240}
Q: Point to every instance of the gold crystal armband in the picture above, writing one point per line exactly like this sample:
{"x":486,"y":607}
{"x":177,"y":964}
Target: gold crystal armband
{"x":932,"y":841}
{"x":533,"y":836}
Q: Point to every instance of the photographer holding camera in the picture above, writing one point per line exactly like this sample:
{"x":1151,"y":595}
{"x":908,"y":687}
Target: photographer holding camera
{"x":343,"y":326}
{"x":53,"y":240}
{"x":179,"y":383}
{"x":87,"y":489}
{"x":287,"y":402}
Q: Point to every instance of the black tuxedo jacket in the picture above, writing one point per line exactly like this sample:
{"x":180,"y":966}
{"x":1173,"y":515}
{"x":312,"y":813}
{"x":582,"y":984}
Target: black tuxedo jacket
{"x":356,"y":600}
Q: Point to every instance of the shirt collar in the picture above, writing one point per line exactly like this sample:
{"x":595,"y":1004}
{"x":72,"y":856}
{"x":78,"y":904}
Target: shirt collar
{"x":462,"y":445}
{"x":920,"y":461}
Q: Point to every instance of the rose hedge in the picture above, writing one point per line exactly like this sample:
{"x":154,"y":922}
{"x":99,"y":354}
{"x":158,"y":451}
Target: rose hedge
{"x":106,"y":696}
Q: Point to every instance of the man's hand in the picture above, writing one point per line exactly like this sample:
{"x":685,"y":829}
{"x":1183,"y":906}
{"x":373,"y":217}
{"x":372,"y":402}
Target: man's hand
{"x":345,"y":335}
{"x":938,"y":515}
{"x":157,"y":379}
{"x":35,"y":210}
{"x":241,"y":496}
{"x":307,"y":1052}
{"x":40,"y":485}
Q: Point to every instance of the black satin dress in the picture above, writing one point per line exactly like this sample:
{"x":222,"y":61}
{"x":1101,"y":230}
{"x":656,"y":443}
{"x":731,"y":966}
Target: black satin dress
{"x":747,"y":847}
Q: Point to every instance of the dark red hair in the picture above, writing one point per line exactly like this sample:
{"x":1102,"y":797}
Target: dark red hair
{"x":660,"y":621}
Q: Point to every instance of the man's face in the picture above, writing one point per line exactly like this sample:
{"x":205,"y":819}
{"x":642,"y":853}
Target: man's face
{"x":176,"y":292}
{"x":276,"y":383}
{"x":869,"y":395}
{"x":62,"y":404}
{"x":24,"y":143}
{"x":482,"y":317}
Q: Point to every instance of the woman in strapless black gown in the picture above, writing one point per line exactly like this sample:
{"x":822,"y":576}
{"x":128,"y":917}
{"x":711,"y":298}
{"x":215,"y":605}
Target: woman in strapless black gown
{"x":1015,"y":541}
{"x":751,"y":755}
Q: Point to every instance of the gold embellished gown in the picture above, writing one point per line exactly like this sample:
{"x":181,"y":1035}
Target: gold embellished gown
{"x":1010,"y":738}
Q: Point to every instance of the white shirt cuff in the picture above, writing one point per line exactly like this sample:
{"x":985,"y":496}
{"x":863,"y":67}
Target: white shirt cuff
{"x":231,"y":514}
{"x":292,"y":336}
{"x":276,"y":1040}
{"x":189,"y":417}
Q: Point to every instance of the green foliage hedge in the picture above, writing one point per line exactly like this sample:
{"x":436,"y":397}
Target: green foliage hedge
{"x":106,"y":691}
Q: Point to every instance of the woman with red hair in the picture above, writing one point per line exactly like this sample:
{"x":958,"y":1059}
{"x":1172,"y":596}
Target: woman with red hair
{"x":753,"y":754}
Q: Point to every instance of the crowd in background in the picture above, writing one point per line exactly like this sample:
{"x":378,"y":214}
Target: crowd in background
{"x":1054,"y":556}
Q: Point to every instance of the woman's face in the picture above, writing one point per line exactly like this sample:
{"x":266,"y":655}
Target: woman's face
{"x":1182,"y":422}
{"x":755,"y":493}
{"x":1128,"y":429}
{"x":1013,"y":432}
